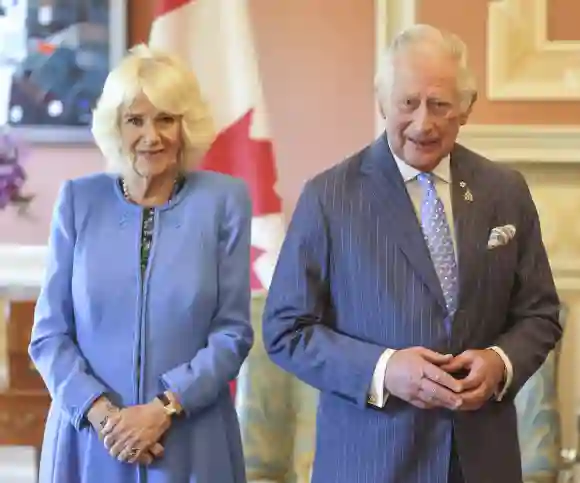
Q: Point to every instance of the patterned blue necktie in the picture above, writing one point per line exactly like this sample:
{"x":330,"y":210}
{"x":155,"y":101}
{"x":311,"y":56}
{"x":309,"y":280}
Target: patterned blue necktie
{"x":439,"y":241}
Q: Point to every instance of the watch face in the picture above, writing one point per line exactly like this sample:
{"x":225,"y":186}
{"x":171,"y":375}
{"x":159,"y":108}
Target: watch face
{"x":170,"y":410}
{"x":168,"y":405}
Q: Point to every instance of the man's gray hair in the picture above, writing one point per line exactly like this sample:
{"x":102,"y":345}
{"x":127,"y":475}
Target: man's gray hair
{"x":448,"y":42}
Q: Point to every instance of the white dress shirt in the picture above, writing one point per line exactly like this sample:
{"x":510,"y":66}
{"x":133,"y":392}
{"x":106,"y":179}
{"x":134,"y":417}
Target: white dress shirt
{"x":442,"y":178}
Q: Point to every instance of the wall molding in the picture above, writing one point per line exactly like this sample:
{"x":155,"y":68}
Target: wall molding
{"x":524,"y":143}
{"x":566,"y":275}
{"x":522,"y":64}
{"x":391,"y":16}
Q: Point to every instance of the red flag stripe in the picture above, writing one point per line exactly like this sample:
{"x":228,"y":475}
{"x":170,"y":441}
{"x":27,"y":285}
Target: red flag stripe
{"x":163,"y":7}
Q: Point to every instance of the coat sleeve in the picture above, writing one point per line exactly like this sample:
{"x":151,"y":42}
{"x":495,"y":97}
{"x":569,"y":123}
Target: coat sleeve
{"x":298,"y":323}
{"x":198,"y":383}
{"x":534,"y":326}
{"x":53,"y":347}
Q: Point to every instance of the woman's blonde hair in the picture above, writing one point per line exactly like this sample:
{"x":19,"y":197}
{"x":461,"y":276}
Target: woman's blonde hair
{"x":170,"y":86}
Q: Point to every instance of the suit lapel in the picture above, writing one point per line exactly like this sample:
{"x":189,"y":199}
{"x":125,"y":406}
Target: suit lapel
{"x":393,"y":204}
{"x":472,"y":211}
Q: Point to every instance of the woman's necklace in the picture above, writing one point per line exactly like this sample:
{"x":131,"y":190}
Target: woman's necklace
{"x":127,"y":196}
{"x":125,"y":190}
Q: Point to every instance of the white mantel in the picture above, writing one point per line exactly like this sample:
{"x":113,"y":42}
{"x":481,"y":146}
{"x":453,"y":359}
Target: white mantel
{"x":21,"y":270}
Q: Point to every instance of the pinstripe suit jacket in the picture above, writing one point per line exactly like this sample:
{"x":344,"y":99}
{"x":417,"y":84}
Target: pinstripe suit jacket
{"x":354,"y":277}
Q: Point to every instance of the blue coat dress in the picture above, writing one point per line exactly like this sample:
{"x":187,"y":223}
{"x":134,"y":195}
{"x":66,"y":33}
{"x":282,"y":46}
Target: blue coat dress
{"x":99,"y":328}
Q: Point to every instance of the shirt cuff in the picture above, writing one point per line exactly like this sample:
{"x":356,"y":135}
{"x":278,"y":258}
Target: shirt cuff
{"x":377,"y":394}
{"x":508,"y":373}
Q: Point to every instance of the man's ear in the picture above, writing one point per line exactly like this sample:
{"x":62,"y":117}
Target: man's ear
{"x":465,"y":115}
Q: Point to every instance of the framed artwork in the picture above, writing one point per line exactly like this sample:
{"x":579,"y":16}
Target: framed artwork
{"x":54,"y":58}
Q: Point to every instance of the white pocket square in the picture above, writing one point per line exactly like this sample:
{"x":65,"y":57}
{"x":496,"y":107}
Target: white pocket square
{"x":501,"y":235}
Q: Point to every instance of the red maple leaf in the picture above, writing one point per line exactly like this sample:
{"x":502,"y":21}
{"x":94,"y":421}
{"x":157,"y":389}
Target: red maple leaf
{"x":233,"y":152}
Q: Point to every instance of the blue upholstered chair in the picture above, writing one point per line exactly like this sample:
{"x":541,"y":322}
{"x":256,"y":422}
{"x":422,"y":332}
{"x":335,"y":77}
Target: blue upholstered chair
{"x":539,"y":424}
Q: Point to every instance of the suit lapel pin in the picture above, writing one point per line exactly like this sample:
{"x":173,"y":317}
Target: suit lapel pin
{"x":467,"y":196}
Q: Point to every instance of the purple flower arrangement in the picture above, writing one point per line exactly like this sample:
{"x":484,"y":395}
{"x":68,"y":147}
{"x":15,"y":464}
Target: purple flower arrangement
{"x":12,"y":174}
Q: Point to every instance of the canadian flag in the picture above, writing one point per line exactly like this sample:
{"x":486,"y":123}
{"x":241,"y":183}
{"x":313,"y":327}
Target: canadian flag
{"x":215,"y":38}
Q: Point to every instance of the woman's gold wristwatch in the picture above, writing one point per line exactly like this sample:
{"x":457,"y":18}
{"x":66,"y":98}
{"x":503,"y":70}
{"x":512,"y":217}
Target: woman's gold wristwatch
{"x":170,"y":405}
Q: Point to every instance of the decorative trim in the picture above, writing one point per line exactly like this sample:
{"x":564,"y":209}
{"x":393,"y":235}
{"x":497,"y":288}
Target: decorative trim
{"x":566,"y":275}
{"x":522,"y":64}
{"x":524,"y":143}
{"x":391,"y":17}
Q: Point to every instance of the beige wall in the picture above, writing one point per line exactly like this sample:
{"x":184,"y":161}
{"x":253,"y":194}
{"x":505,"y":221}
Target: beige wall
{"x":530,"y":118}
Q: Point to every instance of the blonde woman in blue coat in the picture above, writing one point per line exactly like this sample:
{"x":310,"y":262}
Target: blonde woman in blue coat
{"x":143,"y":317}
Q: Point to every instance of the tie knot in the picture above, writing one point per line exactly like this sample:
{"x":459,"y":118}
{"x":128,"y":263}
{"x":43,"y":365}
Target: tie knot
{"x":426,"y":179}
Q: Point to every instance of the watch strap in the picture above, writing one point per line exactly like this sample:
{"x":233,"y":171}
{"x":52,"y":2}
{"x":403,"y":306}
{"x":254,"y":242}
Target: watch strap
{"x":164,"y":399}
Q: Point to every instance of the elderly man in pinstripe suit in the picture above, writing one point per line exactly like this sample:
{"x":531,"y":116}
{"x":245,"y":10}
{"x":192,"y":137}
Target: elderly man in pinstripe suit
{"x":413,"y":289}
